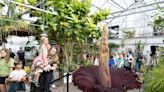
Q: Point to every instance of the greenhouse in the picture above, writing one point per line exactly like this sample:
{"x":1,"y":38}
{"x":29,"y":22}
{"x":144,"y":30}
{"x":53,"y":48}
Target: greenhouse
{"x":81,"y":45}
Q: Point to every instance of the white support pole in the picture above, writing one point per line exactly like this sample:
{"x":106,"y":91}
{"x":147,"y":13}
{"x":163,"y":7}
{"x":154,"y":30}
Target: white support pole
{"x":35,"y":8}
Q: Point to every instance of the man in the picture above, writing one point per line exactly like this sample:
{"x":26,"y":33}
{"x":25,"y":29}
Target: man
{"x":21,"y":56}
{"x":12,"y":55}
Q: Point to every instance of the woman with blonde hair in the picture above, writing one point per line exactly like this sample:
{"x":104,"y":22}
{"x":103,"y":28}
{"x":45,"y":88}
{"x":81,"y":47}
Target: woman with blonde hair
{"x":6,"y":66}
{"x":40,"y":63}
{"x":47,"y":76}
{"x":44,"y":49}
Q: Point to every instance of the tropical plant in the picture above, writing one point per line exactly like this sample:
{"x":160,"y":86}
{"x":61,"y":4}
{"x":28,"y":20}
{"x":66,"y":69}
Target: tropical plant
{"x":73,"y":23}
{"x":112,"y":45}
{"x":154,"y":80}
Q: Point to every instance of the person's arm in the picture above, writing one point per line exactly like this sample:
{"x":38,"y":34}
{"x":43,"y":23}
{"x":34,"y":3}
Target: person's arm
{"x":11,"y":64}
{"x":11,"y":77}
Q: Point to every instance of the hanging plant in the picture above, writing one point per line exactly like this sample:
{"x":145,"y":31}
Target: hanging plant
{"x":129,"y":33}
{"x":16,"y":26}
{"x":158,"y":22}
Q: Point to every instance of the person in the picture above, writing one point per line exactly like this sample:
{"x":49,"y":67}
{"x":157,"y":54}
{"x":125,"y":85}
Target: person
{"x":116,"y":56}
{"x":35,"y":52}
{"x":53,"y":56}
{"x":21,"y":56}
{"x":36,"y":70}
{"x":120,"y":61}
{"x":111,"y":62}
{"x":47,"y":75}
{"x":44,"y":49}
{"x":128,"y":62}
{"x":6,"y":66}
{"x":91,"y":58}
{"x":12,"y":55}
{"x":139,"y":60}
{"x":17,"y":78}
{"x":84,"y":56}
{"x":40,"y":62}
{"x":96,"y":62}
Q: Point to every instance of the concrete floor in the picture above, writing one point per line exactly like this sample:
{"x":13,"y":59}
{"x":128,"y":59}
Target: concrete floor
{"x":72,"y":88}
{"x":63,"y":88}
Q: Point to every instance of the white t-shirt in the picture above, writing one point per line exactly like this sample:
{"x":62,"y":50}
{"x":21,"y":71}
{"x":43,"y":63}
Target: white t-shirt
{"x":130,"y":59}
{"x":96,"y":62}
{"x":17,"y":74}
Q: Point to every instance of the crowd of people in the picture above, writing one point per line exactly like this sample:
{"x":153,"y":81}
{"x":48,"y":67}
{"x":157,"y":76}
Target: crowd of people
{"x":119,"y":59}
{"x":126,"y":59}
{"x":12,"y":75}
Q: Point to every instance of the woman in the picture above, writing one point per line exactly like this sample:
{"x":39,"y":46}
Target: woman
{"x":44,"y":49}
{"x":6,"y":66}
{"x":46,"y":77}
{"x":120,"y":61}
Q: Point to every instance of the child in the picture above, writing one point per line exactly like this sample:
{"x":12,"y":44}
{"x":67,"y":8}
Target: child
{"x":37,"y":69}
{"x":17,"y":78}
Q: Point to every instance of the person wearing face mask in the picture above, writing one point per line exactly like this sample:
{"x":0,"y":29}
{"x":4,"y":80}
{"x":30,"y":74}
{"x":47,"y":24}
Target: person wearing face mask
{"x":6,"y":66}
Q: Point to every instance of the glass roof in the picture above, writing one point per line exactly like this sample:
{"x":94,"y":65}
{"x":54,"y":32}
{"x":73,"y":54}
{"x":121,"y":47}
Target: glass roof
{"x":118,"y":5}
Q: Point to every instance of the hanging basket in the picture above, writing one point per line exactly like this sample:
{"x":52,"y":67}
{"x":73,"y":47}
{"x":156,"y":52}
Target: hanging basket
{"x":19,"y":29}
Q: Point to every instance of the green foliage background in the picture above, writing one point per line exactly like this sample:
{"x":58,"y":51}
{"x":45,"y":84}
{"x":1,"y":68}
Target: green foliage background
{"x":74,"y":22}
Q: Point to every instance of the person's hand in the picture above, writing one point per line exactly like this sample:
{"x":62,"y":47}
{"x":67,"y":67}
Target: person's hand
{"x":23,"y":79}
{"x":41,"y":66}
{"x":47,"y":68}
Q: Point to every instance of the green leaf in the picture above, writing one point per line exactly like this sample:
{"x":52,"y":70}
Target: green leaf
{"x":49,"y":2}
{"x":20,"y":1}
{"x":32,"y":2}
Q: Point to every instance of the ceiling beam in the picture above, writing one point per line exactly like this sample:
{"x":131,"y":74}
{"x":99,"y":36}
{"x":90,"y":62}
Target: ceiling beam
{"x":42,"y":10}
{"x":141,"y":6}
{"x":120,"y":13}
{"x":117,"y":4}
{"x":134,"y":13}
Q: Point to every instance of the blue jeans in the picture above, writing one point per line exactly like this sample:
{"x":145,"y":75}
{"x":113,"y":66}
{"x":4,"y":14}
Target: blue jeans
{"x":17,"y":86}
{"x":138,"y":65}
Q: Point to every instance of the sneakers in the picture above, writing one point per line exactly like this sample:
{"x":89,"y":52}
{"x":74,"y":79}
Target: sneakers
{"x":35,"y":83}
{"x":53,"y":86}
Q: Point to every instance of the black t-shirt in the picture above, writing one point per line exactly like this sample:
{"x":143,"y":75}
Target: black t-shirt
{"x":21,"y":54}
{"x":12,"y":55}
